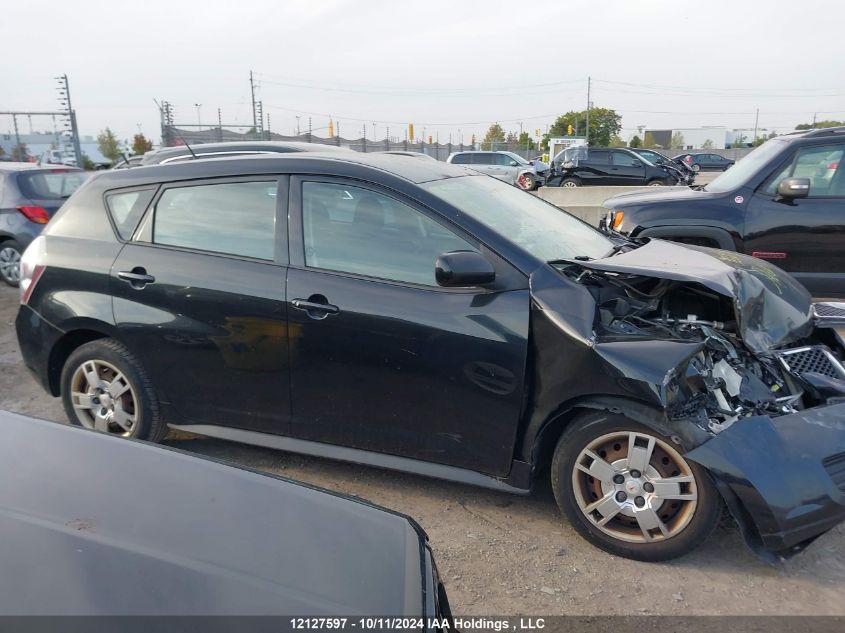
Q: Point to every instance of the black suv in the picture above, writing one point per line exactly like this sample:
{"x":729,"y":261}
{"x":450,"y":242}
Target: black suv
{"x":784,"y":202}
{"x":580,"y":166}
{"x":420,"y":316}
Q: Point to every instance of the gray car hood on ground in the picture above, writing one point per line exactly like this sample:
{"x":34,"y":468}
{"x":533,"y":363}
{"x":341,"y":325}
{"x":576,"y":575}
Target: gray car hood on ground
{"x":771,"y":307}
{"x":97,"y":525}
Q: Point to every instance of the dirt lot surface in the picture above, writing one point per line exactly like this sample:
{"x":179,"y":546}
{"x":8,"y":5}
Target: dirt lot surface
{"x":501,"y":554}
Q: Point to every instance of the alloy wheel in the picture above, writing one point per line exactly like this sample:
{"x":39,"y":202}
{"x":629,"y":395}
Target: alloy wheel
{"x":569,"y":183}
{"x":10,"y":264}
{"x":104,"y":399}
{"x":634,"y":487}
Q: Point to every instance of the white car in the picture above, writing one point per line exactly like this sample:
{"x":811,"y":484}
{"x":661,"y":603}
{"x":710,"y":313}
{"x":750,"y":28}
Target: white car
{"x":507,"y":166}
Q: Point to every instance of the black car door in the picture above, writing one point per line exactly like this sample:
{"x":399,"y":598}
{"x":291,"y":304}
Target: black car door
{"x":804,"y":236}
{"x":595,"y":168}
{"x":199,"y":296}
{"x":382,"y":358}
{"x":626,"y":169}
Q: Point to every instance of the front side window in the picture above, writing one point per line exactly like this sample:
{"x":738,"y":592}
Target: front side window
{"x":460,"y":159}
{"x":356,"y":230}
{"x":598,"y":157}
{"x":504,"y":160}
{"x":483,"y":158}
{"x":821,"y":164}
{"x":236,"y":218}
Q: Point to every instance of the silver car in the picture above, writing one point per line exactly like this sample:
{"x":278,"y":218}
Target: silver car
{"x":507,"y":166}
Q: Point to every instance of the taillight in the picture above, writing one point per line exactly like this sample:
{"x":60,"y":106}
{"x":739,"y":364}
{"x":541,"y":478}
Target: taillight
{"x":833,"y":165}
{"x":31,"y":268}
{"x":38,"y":215}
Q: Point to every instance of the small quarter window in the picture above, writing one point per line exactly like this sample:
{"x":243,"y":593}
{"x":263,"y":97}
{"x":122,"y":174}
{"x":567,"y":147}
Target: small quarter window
{"x":127,"y":208}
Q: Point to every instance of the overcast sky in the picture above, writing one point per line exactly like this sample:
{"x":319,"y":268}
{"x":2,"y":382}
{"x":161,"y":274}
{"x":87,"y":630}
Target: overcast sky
{"x":447,"y":66}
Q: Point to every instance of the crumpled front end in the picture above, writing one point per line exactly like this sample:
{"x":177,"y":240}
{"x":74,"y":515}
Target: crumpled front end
{"x":748,"y":377}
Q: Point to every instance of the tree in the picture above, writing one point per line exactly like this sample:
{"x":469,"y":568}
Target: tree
{"x":87,"y":163}
{"x":762,"y":139}
{"x":708,"y":144}
{"x":739,"y":141}
{"x":108,"y":145}
{"x":604,"y":123}
{"x":819,"y":124}
{"x":20,"y":153}
{"x":636,"y":141}
{"x":616,"y":141}
{"x":525,"y":141}
{"x":495,"y":134}
{"x":141,"y":145}
{"x":648,"y":141}
{"x":677,"y":141}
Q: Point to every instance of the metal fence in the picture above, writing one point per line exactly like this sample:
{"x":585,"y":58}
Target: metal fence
{"x":174,"y":135}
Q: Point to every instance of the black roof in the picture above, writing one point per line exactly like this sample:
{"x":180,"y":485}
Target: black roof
{"x":98,"y":525}
{"x":347,"y":164}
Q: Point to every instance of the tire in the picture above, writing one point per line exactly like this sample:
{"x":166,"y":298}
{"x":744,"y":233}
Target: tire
{"x":526,"y":182}
{"x":10,"y":262}
{"x":122,"y":402}
{"x":656,"y":183}
{"x":570,"y":182}
{"x":659,"y":529}
{"x":695,"y":167}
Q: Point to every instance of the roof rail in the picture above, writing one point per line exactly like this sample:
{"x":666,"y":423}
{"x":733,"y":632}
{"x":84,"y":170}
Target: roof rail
{"x":827,"y":131}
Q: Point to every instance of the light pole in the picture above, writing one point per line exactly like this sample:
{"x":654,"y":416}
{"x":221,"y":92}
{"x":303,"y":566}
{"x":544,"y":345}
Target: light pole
{"x":199,"y":122}
{"x":297,"y":125}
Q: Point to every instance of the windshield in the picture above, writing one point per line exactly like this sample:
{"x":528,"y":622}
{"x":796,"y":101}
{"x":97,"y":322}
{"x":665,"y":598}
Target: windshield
{"x":55,"y":184}
{"x":739,"y":173}
{"x":531,"y":223}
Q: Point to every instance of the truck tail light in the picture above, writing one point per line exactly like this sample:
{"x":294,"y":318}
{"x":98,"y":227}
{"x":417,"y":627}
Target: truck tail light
{"x":38,"y":215}
{"x":32,"y":267}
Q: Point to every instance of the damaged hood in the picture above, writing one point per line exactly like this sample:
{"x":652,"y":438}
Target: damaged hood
{"x":771,"y":307}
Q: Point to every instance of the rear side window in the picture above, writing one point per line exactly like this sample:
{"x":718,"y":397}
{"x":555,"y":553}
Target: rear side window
{"x":599,"y":157}
{"x":482,"y":159}
{"x":50,"y":185}
{"x":127,"y":208}
{"x":230,"y":218}
{"x":460,"y":159}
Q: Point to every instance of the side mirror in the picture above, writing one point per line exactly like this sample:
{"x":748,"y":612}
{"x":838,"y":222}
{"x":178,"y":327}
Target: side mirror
{"x":791,"y":188}
{"x":636,"y":163}
{"x":463,"y":268}
{"x":513,"y":163}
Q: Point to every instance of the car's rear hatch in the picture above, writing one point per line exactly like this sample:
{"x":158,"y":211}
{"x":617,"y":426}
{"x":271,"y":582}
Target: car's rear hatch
{"x":48,"y":188}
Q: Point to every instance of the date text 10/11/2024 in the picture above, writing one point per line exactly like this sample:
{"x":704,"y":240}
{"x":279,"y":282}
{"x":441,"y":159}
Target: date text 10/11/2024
{"x":409,"y":624}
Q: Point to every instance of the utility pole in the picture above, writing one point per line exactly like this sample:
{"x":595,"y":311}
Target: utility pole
{"x":219,"y":125}
{"x":587,"y":132}
{"x":252,"y":92}
{"x":64,"y":92}
{"x":756,"y":121}
{"x":297,"y":125}
{"x":199,"y":118}
{"x":814,"y":120}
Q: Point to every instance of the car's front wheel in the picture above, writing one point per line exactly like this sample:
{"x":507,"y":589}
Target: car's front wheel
{"x":570,"y":182}
{"x":10,"y":262}
{"x":629,"y":490}
{"x":695,"y":167}
{"x":105,"y":388}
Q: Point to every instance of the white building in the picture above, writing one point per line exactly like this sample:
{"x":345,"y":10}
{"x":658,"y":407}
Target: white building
{"x":693,"y":138}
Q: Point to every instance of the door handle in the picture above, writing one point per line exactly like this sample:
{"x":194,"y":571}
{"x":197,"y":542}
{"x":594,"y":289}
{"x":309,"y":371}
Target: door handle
{"x":319,"y":309}
{"x":137,"y":277}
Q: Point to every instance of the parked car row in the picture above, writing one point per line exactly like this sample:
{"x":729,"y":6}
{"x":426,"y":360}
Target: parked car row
{"x":416,"y":315}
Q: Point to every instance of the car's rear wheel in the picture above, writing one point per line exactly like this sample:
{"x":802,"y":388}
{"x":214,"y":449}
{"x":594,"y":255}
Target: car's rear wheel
{"x":105,"y":388}
{"x":570,"y":182}
{"x":526,"y":182}
{"x":10,"y":262}
{"x":655,"y":183}
{"x":629,"y":490}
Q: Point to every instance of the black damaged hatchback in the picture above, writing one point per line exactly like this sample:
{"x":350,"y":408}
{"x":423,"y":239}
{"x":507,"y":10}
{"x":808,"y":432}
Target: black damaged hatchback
{"x":422,"y":317}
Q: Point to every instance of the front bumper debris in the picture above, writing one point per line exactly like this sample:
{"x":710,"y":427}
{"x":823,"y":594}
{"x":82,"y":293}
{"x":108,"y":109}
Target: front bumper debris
{"x":783,"y":478}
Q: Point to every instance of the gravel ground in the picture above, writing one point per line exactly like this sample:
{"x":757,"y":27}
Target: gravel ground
{"x":501,"y":554}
